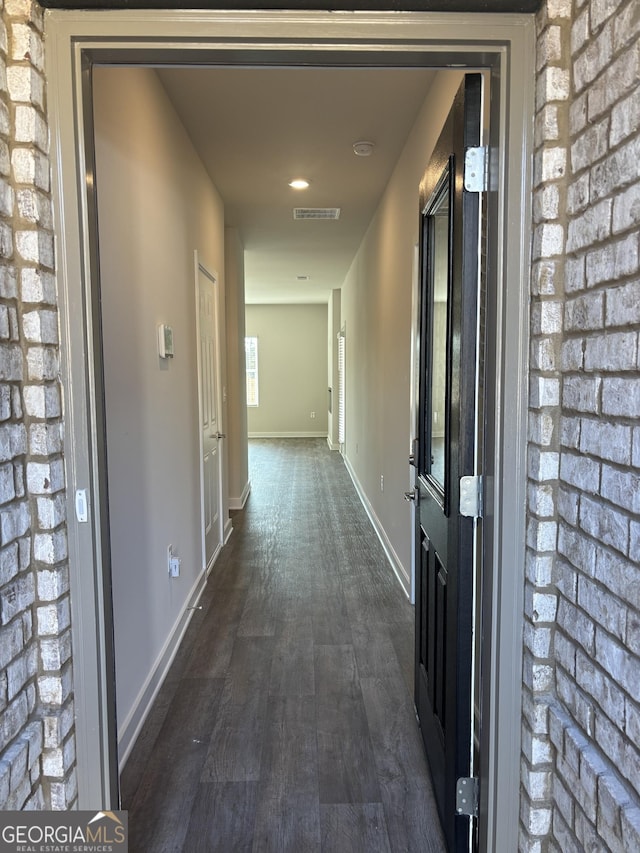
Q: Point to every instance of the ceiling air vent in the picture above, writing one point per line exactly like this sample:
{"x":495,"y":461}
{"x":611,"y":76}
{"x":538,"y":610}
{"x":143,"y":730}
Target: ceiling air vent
{"x":316,"y":213}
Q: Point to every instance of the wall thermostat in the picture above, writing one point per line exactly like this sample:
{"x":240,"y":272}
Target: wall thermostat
{"x":165,"y":341}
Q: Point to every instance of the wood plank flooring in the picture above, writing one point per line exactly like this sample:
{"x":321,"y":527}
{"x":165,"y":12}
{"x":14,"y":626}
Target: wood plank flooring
{"x":286,"y":723}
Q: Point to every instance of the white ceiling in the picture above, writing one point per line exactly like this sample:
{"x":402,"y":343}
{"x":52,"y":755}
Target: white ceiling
{"x":257,"y":128}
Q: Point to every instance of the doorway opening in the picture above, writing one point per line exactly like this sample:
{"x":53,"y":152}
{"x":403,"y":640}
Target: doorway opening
{"x":271,"y":39}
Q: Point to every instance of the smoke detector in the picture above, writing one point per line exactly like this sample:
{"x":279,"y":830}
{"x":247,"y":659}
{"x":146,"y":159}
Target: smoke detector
{"x":363,"y":148}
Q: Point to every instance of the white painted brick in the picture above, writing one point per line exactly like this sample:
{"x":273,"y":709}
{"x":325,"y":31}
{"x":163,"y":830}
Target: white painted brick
{"x":26,"y":45}
{"x":25,"y":85}
{"x":31,"y":167}
{"x":8,"y":282}
{"x":13,"y":441}
{"x":35,"y":247}
{"x":42,"y":364}
{"x":574,"y":274}
{"x":543,"y":391}
{"x":42,"y":401}
{"x":544,"y":278}
{"x":617,"y":81}
{"x":605,"y":524}
{"x":537,"y":640}
{"x":576,"y":625}
{"x":45,"y":478}
{"x":6,"y":198}
{"x":565,"y":651}
{"x":542,"y":535}
{"x":568,"y":504}
{"x":613,"y":261}
{"x":53,"y":619}
{"x":595,"y":58}
{"x":581,"y":472}
{"x":548,"y":240}
{"x":621,"y":396}
{"x":15,"y":520}
{"x":11,"y":363}
{"x":585,"y":312}
{"x":591,"y":226}
{"x":579,"y":193}
{"x":578,"y":114}
{"x":7,"y":484}
{"x":553,"y":84}
{"x":539,"y":568}
{"x":543,"y":355}
{"x":573,"y":354}
{"x":38,"y":286}
{"x":35,"y":207}
{"x":546,"y":124}
{"x":581,"y":394}
{"x":616,"y":171}
{"x":51,"y":511}
{"x":55,"y":689}
{"x":570,"y":431}
{"x":549,"y":46}
{"x":590,"y":146}
{"x":606,"y":440}
{"x":626,"y":209}
{"x":630,"y":822}
{"x":580,"y":32}
{"x":45,"y":439}
{"x":623,"y":305}
{"x":16,"y":597}
{"x":627,"y":26}
{"x":41,"y":327}
{"x":9,"y":568}
{"x":618,"y":351}
{"x":543,"y":465}
{"x":541,"y":501}
{"x":602,"y":607}
{"x":578,"y":549}
{"x":50,"y":547}
{"x":541,"y":429}
{"x":55,"y":652}
{"x":57,"y":725}
{"x":550,"y":317}
{"x":546,"y":203}
{"x":621,"y":487}
{"x":31,"y":127}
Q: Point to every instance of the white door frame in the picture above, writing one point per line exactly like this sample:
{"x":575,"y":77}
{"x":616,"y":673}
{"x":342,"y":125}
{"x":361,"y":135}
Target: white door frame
{"x":200,"y":267}
{"x":502,"y":42}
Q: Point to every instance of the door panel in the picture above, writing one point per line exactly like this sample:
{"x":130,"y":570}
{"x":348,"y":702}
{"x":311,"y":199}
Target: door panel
{"x":210,"y":427}
{"x":447,"y":436}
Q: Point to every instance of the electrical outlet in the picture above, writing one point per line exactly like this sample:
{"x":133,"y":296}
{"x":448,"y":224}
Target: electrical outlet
{"x":313,"y":414}
{"x":173,"y":563}
{"x":382,"y":482}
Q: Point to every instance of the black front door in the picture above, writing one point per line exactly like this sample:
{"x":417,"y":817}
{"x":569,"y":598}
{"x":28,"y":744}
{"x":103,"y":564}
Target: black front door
{"x":448,"y":434}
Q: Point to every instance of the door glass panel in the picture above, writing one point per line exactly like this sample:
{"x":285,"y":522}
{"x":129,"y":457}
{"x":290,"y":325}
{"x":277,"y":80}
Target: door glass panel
{"x":436,"y":290}
{"x":440,"y":312}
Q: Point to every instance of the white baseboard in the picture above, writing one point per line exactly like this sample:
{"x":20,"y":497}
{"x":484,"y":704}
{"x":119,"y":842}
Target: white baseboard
{"x":399,"y":570}
{"x":135,"y":719}
{"x":238,"y":503}
{"x":288,"y":434}
{"x":333,"y":445}
{"x":228,"y":530}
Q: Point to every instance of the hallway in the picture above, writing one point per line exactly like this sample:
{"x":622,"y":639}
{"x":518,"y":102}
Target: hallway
{"x":286,"y":722}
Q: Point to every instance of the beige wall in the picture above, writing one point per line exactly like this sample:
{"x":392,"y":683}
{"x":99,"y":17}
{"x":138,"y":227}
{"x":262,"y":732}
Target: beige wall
{"x":292,"y":369}
{"x":156,"y":206}
{"x":334,"y":326}
{"x":376,"y":308}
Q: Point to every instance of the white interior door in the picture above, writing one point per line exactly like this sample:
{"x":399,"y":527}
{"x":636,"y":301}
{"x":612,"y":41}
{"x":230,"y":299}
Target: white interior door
{"x":208,"y":377}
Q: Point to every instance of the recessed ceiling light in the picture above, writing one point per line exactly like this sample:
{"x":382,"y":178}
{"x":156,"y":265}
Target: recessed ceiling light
{"x":299,"y":184}
{"x":363,"y":148}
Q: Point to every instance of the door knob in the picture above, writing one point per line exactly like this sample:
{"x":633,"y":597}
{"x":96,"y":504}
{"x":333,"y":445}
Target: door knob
{"x":410,"y":496}
{"x":220,"y":435}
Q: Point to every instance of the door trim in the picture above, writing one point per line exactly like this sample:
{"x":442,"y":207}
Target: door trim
{"x":75,"y":41}
{"x":201,"y":267}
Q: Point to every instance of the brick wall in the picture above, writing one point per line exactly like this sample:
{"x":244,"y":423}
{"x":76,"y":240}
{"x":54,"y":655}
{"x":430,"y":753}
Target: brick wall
{"x":581,"y":721}
{"x":36,"y":710}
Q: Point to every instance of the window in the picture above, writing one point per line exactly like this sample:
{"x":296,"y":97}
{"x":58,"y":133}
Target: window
{"x":251,"y":361}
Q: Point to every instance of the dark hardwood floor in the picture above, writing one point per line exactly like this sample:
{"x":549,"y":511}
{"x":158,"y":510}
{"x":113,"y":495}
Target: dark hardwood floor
{"x":286,"y":723}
